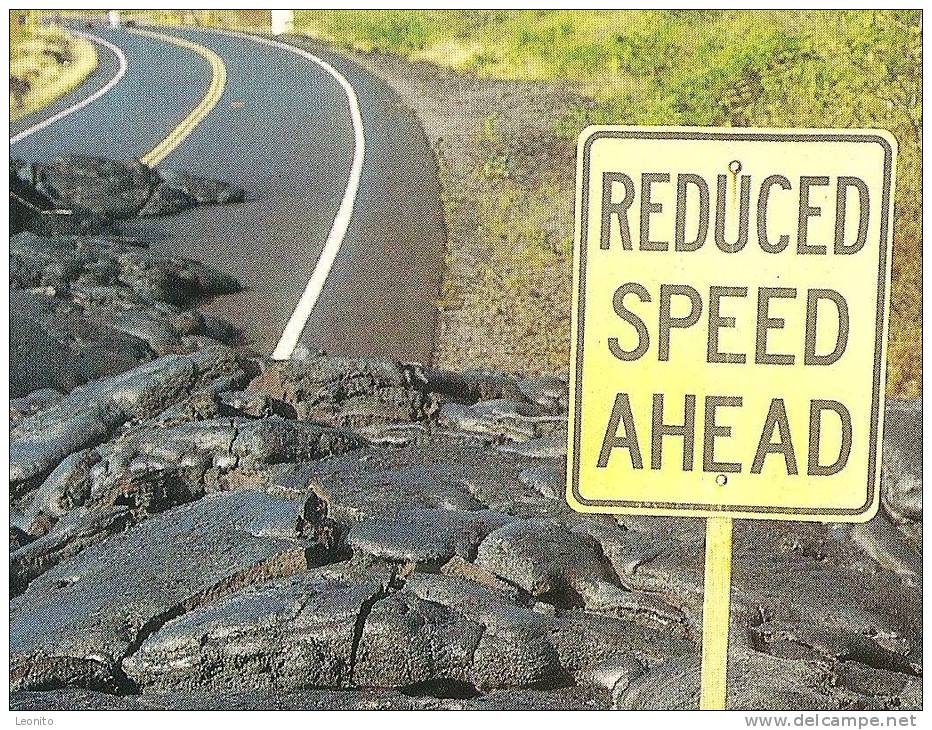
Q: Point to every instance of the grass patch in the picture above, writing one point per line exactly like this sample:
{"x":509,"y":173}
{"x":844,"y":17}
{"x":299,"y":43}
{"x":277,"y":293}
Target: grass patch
{"x":46,"y":63}
{"x":254,"y":20}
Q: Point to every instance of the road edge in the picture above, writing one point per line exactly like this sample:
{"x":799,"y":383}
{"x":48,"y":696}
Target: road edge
{"x":77,"y":106}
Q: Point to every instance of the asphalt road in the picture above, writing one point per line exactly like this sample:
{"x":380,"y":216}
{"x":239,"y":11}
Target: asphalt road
{"x":282,"y":130}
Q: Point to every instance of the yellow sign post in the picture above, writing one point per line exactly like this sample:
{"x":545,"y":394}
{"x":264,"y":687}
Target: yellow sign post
{"x":729,"y":333}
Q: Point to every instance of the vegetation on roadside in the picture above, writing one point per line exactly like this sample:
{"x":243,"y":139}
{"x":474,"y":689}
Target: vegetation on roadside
{"x":803,"y":68}
{"x":46,"y":62}
{"x":757,"y":68}
{"x":256,"y":20}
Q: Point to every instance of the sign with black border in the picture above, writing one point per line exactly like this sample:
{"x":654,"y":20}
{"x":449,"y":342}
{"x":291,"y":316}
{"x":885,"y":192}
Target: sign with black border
{"x":632,"y":178}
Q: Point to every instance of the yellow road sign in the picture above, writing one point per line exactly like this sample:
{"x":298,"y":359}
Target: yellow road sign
{"x":731,"y":292}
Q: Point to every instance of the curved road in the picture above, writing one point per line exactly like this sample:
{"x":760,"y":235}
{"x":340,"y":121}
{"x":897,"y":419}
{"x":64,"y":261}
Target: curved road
{"x":282,"y":130}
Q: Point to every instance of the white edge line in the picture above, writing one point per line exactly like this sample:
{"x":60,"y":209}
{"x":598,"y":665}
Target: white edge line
{"x":121,"y":57}
{"x":302,"y":312}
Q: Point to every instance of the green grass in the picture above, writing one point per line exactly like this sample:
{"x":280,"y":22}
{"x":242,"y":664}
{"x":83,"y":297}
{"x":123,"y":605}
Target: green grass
{"x":45,"y":64}
{"x":814,"y":68}
{"x":252,"y":20}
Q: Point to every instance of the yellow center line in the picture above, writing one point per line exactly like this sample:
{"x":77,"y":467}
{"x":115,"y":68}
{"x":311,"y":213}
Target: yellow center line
{"x":217,"y":83}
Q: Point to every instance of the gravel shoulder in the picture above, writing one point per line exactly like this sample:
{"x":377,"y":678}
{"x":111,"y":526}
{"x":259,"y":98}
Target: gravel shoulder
{"x":508,"y":184}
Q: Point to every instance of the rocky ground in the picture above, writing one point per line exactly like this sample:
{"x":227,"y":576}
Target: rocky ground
{"x":206,"y":530}
{"x":195,"y":527}
{"x":87,"y":306}
{"x":209,"y":530}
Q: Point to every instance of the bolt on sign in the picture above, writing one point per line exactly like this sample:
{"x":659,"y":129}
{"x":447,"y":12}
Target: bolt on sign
{"x":729,"y":329}
{"x":729,"y":334}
